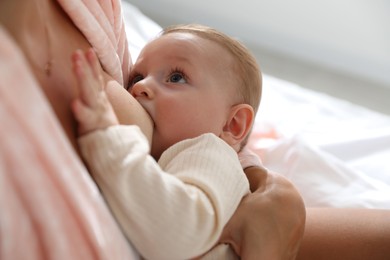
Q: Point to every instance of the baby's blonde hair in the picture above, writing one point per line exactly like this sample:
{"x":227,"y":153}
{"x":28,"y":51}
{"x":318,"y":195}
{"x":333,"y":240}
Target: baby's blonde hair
{"x":245,"y":65}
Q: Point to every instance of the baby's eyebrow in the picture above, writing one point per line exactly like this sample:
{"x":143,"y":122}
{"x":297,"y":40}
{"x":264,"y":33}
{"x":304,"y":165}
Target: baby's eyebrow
{"x":179,"y":58}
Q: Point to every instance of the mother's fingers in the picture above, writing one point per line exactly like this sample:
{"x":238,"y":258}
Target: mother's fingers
{"x":269,"y":222}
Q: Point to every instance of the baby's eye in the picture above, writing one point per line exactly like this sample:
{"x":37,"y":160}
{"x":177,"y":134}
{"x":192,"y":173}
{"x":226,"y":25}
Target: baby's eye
{"x":134,"y":80}
{"x":177,"y":77}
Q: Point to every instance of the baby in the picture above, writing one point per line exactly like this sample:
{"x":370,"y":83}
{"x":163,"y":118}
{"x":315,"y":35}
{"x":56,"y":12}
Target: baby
{"x":173,"y":194}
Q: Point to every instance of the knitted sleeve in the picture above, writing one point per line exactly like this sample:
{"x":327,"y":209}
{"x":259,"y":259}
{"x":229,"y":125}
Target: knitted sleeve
{"x":175,"y":210}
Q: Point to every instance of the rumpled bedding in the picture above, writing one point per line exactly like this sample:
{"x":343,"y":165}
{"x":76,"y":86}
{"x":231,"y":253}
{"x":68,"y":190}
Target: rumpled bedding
{"x":335,"y":152}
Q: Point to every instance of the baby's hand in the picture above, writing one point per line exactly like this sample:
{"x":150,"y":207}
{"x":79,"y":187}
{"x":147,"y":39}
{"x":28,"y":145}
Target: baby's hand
{"x":91,"y":108}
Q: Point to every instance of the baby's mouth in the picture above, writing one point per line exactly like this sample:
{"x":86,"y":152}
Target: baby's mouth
{"x":147,"y":110}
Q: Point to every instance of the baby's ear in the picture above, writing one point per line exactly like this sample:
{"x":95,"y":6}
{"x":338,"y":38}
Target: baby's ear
{"x":238,"y":125}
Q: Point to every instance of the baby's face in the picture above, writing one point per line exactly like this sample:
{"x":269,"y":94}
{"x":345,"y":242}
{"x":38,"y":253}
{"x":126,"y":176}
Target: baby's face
{"x":186,"y":85}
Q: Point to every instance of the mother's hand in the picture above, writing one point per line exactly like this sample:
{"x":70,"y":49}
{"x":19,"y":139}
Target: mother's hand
{"x":269,"y":223}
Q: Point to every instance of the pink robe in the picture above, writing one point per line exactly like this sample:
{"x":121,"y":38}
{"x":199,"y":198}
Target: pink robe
{"x":50,"y":208}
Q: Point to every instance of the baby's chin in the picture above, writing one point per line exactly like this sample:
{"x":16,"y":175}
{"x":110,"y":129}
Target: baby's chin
{"x":156,"y":153}
{"x":158,"y":147}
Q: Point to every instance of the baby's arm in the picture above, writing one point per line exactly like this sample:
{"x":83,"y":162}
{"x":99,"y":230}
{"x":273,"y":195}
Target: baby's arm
{"x":92,"y":109}
{"x":174,"y":210}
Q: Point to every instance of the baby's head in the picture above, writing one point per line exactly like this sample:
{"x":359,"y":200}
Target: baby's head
{"x":244,"y":66}
{"x":246,"y":71}
{"x":193,"y":80}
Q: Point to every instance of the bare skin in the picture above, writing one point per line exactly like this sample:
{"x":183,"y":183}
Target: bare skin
{"x":346,"y":234}
{"x":329,"y":233}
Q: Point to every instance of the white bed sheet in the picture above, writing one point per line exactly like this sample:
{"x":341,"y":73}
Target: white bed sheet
{"x":335,"y":152}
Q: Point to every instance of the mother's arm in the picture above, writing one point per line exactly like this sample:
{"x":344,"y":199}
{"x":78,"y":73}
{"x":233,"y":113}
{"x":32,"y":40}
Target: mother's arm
{"x":270,"y":222}
{"x":334,"y":233}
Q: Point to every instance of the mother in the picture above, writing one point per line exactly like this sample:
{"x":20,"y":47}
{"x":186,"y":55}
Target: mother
{"x":48,"y":201}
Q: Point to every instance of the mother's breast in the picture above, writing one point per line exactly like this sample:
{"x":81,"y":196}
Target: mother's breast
{"x":128,"y":110}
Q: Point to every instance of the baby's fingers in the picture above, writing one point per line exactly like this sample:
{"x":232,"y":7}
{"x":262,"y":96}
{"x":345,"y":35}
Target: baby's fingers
{"x":95,"y":66}
{"x":88,"y":86}
{"x":84,"y":116}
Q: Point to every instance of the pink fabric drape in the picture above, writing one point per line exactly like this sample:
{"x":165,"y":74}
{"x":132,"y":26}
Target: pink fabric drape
{"x":101,"y":22}
{"x":50,"y":208}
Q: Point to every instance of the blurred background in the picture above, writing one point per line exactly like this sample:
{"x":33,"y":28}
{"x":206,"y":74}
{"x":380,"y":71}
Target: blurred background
{"x":339,"y":47}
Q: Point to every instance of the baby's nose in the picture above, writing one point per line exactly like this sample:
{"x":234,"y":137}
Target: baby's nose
{"x":141,"y":89}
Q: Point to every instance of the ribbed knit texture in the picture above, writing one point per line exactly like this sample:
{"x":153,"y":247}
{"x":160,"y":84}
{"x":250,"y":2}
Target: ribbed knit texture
{"x":172,"y":210}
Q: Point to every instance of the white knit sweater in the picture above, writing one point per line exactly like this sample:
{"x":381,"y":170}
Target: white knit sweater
{"x":175,"y":209}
